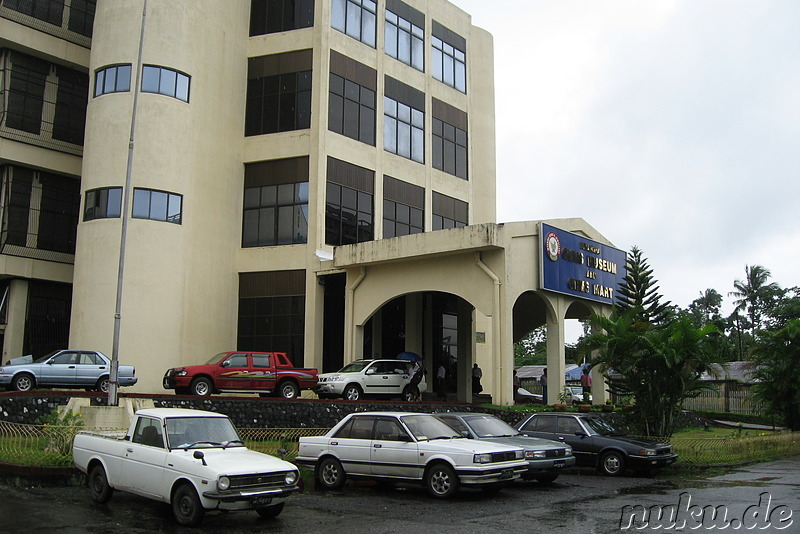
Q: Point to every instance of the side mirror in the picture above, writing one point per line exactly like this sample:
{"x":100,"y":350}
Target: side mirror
{"x":464,"y":433}
{"x":198,"y":455}
{"x":226,"y":363}
{"x":580,"y":433}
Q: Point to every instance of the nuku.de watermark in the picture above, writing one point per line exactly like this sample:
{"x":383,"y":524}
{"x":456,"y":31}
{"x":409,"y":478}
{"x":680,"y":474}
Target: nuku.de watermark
{"x":685,"y":515}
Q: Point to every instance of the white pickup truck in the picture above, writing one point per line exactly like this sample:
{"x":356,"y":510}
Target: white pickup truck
{"x":191,"y":459}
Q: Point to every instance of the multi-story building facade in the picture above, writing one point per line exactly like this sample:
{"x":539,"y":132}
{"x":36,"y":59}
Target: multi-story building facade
{"x":253,"y":175}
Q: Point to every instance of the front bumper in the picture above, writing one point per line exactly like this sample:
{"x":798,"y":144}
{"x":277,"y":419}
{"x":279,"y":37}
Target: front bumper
{"x":329,"y":388}
{"x":549,"y":465}
{"x":248,"y":499}
{"x":173,"y":381}
{"x":644,"y":462}
{"x":491,"y":474}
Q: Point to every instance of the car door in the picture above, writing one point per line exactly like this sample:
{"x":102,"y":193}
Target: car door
{"x":567,"y":429}
{"x":352,"y":444}
{"x":394,"y":453}
{"x":263,"y":373}
{"x":382,"y":378}
{"x":90,"y":367}
{"x":234,"y":372}
{"x":145,"y":458}
{"x":60,"y":370}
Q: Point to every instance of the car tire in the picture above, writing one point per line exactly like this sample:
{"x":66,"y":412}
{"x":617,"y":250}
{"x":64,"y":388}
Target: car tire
{"x":99,"y":488}
{"x":352,"y":392}
{"x":270,"y":512}
{"x":288,"y":390}
{"x":546,"y":479}
{"x":186,"y":506}
{"x":102,"y":385}
{"x":441,"y":481}
{"x":24,"y":382}
{"x":612,"y":464}
{"x":330,"y":473}
{"x":409,"y":395}
{"x":201,"y":387}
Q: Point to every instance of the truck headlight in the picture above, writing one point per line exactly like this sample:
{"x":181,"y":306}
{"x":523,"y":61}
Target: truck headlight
{"x":291,"y":478}
{"x":482,"y":459}
{"x":223,"y":483}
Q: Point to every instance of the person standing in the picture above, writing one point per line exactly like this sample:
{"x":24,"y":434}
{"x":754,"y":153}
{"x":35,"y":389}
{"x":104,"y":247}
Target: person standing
{"x":517,"y":384}
{"x":441,"y":382}
{"x":586,"y":384}
{"x":477,"y":374}
{"x":543,"y":380}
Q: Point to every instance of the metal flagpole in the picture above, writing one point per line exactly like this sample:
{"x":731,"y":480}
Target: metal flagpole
{"x":113,"y":381}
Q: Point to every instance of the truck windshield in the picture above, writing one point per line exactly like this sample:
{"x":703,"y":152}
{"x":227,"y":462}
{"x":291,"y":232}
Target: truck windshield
{"x":201,"y":432}
{"x":216,"y":359}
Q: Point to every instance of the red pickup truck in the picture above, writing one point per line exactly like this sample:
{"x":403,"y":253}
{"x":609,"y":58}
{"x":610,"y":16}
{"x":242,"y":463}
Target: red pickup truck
{"x":242,"y":372}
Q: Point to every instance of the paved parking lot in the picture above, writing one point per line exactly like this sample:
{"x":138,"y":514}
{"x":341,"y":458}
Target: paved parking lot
{"x":578,"y":502}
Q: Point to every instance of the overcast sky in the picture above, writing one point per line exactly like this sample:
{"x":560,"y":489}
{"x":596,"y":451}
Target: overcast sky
{"x":670,"y":125}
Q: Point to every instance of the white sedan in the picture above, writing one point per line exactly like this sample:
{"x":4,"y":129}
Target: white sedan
{"x":406,"y":446}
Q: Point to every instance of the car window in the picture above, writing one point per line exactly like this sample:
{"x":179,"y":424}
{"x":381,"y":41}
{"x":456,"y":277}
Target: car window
{"x":148,"y":432}
{"x":66,"y":358}
{"x":236,"y":360}
{"x":390,"y":430}
{"x":543,"y":423}
{"x":488,"y":426}
{"x":357,"y":428}
{"x":90,"y":358}
{"x":353,"y":367}
{"x":426,"y":427}
{"x":568,"y":425}
{"x":454,"y":422}
{"x":260,"y":360}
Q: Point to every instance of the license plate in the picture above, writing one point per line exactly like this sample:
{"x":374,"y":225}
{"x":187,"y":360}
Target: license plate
{"x":559,"y":463}
{"x":261,"y":500}
{"x":508,"y":473}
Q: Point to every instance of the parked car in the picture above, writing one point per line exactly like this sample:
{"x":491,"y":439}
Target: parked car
{"x":86,"y":369}
{"x":576,"y":395}
{"x":595,"y":442}
{"x":370,"y":377}
{"x":191,"y":459}
{"x":242,"y":372}
{"x":546,"y":458}
{"x":410,"y":447}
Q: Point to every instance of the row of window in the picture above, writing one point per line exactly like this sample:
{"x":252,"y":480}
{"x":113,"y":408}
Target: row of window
{"x":404,"y":38}
{"x":159,"y":80}
{"x":106,"y":203}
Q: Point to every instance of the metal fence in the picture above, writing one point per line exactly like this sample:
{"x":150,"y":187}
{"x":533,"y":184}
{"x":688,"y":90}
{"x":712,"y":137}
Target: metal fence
{"x":51,"y":445}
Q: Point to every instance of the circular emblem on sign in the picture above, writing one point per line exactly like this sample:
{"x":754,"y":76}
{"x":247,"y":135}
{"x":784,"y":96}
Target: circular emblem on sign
{"x":553,"y":246}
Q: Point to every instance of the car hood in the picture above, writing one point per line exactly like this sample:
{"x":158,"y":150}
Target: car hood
{"x":527,"y":443}
{"x":235,"y":460}
{"x":639,"y":442}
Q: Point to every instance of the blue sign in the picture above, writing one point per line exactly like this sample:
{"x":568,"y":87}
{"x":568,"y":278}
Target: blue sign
{"x":574,"y":265}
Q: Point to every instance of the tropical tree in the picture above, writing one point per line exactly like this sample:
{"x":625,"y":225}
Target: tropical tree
{"x":639,"y":291}
{"x":531,"y":349}
{"x":706,"y":308}
{"x":660,"y":366}
{"x":754,"y":295}
{"x":777,"y":359}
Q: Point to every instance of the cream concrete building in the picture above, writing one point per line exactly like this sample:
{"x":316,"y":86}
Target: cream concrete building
{"x":309,"y":176}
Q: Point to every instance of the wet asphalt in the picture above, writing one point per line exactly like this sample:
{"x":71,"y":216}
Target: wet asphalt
{"x":757,"y":498}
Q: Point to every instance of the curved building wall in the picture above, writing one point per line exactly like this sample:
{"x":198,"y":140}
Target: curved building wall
{"x":175,"y":274}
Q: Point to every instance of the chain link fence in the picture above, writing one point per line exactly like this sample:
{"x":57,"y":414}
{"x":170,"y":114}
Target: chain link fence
{"x":735,"y":450}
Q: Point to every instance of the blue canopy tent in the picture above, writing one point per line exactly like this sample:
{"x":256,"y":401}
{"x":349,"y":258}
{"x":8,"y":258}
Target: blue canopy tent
{"x":409,"y":356}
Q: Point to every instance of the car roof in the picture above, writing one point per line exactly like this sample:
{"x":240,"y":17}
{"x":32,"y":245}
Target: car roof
{"x":390,"y":414}
{"x":177,"y":412}
{"x":381,"y":360}
{"x":465,"y":414}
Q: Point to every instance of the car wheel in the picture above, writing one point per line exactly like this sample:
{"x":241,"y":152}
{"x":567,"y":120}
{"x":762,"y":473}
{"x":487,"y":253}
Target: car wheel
{"x":201,"y":387}
{"x":409,"y":394}
{"x":186,"y":506}
{"x":352,"y":392}
{"x":612,"y":464}
{"x":270,"y":512}
{"x":441,"y":481}
{"x":288,"y":390}
{"x":547,"y":478}
{"x":330,"y":473}
{"x":99,"y":488}
{"x":102,"y":385}
{"x":24,"y":382}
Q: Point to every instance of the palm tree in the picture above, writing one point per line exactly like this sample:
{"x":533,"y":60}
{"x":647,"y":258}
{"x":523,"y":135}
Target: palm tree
{"x":753,"y":294}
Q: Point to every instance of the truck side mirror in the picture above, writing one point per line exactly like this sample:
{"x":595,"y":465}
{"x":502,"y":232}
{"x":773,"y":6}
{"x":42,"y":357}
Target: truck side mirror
{"x":198,"y":455}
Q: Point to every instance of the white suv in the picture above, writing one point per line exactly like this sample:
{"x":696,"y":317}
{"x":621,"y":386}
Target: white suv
{"x":370,"y":377}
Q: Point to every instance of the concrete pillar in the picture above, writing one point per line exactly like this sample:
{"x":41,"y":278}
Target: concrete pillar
{"x":466,"y":336}
{"x":414,"y":328}
{"x":17,"y":304}
{"x":377,"y":334}
{"x":556,"y":366}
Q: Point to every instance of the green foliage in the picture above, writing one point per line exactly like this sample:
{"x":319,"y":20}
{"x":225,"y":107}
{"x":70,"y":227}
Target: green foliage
{"x":658,"y":365}
{"x":777,"y":357}
{"x":639,"y":291}
{"x":754,"y":295}
{"x":59,"y":418}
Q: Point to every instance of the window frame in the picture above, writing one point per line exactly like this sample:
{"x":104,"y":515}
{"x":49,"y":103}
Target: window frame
{"x":347,"y":16}
{"x":163,"y":86}
{"x":101,"y":80}
{"x":169,"y":197}
{"x":100,"y":204}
